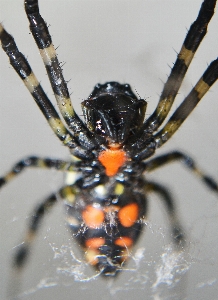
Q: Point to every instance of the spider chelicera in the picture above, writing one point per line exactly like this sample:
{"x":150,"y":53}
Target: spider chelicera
{"x":107,"y":204}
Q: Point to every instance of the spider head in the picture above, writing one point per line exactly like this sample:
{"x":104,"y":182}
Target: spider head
{"x":114,"y":112}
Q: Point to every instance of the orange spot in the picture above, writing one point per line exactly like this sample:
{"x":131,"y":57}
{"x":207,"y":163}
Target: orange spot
{"x":93,"y":217}
{"x":112,"y":160}
{"x":124,"y":241}
{"x":95,"y":243}
{"x":128,"y":214}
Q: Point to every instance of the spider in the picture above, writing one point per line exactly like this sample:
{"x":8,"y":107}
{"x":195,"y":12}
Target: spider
{"x":107,"y":205}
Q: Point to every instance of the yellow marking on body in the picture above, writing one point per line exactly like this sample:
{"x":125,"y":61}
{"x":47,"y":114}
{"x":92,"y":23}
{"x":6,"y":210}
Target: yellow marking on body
{"x":119,"y":188}
{"x":91,"y":256}
{"x":1,"y":28}
{"x":59,"y":129}
{"x":72,"y":221}
{"x":125,"y":254}
{"x":164,"y":106}
{"x":48,"y":54}
{"x":100,"y":190}
{"x":90,"y":126}
{"x":57,"y":126}
{"x":186,"y":55}
{"x":69,"y":194}
{"x":41,"y":163}
{"x":9,"y":176}
{"x":31,"y":82}
{"x":65,"y":106}
{"x":171,"y":127}
{"x":67,"y":139}
{"x":201,"y":88}
{"x":71,"y":176}
{"x":198,"y":172}
{"x":74,"y":158}
{"x":30,"y":236}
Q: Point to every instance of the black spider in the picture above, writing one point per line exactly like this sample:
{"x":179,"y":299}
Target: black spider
{"x":107,"y":205}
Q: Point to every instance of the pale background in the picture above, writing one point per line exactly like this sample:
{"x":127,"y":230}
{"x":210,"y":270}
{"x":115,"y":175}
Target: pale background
{"x":126,"y":41}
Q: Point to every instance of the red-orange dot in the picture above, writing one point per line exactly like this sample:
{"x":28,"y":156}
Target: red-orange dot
{"x":95,"y":243}
{"x":112,"y":160}
{"x":128,"y":214}
{"x":124,"y":241}
{"x":93,"y":217}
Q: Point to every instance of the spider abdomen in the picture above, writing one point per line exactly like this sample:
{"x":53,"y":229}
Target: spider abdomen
{"x":107,"y":228}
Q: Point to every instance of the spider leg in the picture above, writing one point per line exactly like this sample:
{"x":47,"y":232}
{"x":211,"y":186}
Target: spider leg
{"x":177,"y":232}
{"x":23,"y":69}
{"x":66,"y":193}
{"x":188,"y":162}
{"x":189,"y":103}
{"x":193,"y":39}
{"x":33,"y":161}
{"x":43,"y":40}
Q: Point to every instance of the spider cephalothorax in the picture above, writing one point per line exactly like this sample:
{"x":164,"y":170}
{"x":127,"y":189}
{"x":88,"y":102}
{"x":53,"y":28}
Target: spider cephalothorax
{"x":114,"y":112}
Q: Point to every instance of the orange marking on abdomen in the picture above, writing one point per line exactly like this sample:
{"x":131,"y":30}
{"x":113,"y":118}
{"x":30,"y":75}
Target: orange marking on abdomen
{"x":92,"y":216}
{"x":124,"y":242}
{"x":128,"y":214}
{"x":112,"y":160}
{"x":95,"y":243}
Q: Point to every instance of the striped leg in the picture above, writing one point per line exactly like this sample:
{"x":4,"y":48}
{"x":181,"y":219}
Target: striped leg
{"x":177,"y":232}
{"x":66,"y":193}
{"x":193,"y":39}
{"x":23,"y":69}
{"x":182,"y":112}
{"x":34,"y":161}
{"x":43,"y":40}
{"x":176,"y":155}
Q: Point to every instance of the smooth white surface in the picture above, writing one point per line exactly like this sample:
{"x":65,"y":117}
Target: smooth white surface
{"x":125,"y":41}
